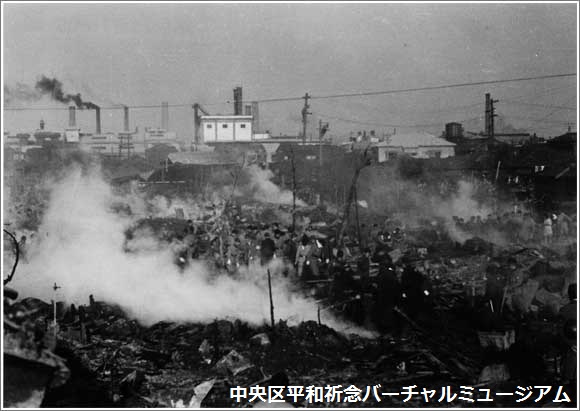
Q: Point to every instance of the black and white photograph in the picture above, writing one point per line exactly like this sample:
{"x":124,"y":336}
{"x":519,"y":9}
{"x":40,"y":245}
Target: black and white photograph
{"x":289,"y":205}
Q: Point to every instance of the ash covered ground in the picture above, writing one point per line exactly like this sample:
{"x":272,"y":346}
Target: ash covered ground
{"x":172,"y":298}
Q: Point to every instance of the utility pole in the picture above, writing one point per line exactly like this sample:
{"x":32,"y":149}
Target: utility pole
{"x":489,"y":116}
{"x":196,"y":123}
{"x":356,"y":215}
{"x":305,"y":114}
{"x":320,"y":143}
{"x":492,"y":115}
{"x":54,"y":288}
{"x":293,"y":189}
{"x":272,"y":321}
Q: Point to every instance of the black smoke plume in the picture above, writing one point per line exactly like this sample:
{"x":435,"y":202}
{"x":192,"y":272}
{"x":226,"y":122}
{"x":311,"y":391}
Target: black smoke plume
{"x":45,"y":86}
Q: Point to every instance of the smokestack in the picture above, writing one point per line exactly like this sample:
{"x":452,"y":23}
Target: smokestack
{"x":42,"y":124}
{"x":256,"y":117}
{"x":165,"y":115}
{"x":98,"y":119}
{"x":125,"y":118}
{"x":72,"y":116}
{"x":238,"y":101}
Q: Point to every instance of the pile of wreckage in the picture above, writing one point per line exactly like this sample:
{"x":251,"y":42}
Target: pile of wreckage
{"x":492,"y":323}
{"x":30,"y":365}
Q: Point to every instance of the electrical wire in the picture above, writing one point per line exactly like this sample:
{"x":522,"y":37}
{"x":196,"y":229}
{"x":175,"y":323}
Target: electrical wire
{"x":544,"y":106}
{"x":371,"y":123}
{"x":332,"y":96}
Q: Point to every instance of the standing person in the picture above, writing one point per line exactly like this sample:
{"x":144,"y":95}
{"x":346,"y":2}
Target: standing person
{"x":563,"y":225}
{"x":289,"y":252}
{"x":548,"y":232}
{"x":387,"y":297}
{"x":528,"y":228}
{"x":364,"y":264}
{"x":415,"y":289}
{"x":315,"y":257}
{"x":267,"y":249}
{"x":303,"y":254}
{"x":569,"y":320}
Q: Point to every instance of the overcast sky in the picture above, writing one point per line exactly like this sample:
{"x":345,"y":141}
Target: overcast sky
{"x":142,"y":54}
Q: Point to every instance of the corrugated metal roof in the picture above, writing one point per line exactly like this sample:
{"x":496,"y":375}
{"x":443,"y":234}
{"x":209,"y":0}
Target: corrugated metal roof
{"x":201,"y":158}
{"x":418,"y":139}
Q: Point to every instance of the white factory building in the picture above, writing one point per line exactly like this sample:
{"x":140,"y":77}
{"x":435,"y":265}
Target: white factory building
{"x":228,"y":129}
{"x":220,"y":129}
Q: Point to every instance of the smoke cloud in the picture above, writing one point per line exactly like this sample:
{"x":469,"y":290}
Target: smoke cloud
{"x":412,"y":201}
{"x":257,"y":184}
{"x":80,"y":245}
{"x":44,"y":87}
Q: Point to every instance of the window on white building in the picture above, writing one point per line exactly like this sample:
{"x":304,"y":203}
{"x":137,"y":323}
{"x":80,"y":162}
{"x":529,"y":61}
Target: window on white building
{"x":208,"y":126}
{"x":224,"y":126}
{"x":242,"y":126}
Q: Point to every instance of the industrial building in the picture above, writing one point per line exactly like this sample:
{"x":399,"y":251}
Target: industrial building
{"x":417,"y":145}
{"x":454,"y":132}
{"x":227,"y":128}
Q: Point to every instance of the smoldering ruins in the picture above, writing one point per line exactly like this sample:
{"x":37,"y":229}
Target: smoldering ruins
{"x":145,"y":267}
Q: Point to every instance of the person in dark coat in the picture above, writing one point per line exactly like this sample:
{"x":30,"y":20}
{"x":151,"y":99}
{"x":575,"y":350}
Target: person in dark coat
{"x":387,"y":297}
{"x":267,"y":249}
{"x":569,"y":321}
{"x":412,"y":288}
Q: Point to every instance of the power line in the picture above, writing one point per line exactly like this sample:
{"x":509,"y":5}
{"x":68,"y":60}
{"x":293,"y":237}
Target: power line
{"x":544,"y":106}
{"x":545,"y":92}
{"x":535,"y":120}
{"x":409,"y":90}
{"x":372,"y":123}
{"x":415,"y":89}
{"x":115,"y":107}
{"x":556,"y":110}
{"x":331,"y":96}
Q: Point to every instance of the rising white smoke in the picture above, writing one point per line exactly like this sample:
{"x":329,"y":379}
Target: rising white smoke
{"x":262,"y":189}
{"x":79,"y":247}
{"x":393,"y":193}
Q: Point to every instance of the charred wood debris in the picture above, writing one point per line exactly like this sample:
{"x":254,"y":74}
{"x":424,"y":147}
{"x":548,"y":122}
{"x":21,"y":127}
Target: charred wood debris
{"x":443,"y":313}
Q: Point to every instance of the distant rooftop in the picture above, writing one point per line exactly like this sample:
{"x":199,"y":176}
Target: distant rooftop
{"x":226,"y":116}
{"x":417,"y":139}
{"x":201,"y":158}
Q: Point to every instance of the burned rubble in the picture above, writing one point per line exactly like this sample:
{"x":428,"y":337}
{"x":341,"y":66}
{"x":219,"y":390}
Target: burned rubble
{"x":442,"y":313}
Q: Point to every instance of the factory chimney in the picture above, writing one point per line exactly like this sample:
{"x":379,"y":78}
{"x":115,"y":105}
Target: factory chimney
{"x":98,"y":119}
{"x":165,"y":115}
{"x":125,"y":118}
{"x":256,"y":117}
{"x":42,"y":124}
{"x":238,"y":101}
{"x":72,"y":116}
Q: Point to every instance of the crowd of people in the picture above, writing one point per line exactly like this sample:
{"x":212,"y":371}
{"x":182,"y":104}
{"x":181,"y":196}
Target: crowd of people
{"x":359,"y":273}
{"x":522,"y":227}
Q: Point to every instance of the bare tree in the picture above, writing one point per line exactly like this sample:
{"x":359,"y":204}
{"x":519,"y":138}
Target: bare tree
{"x":17,"y":256}
{"x":236,"y":177}
{"x":364,"y":162}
